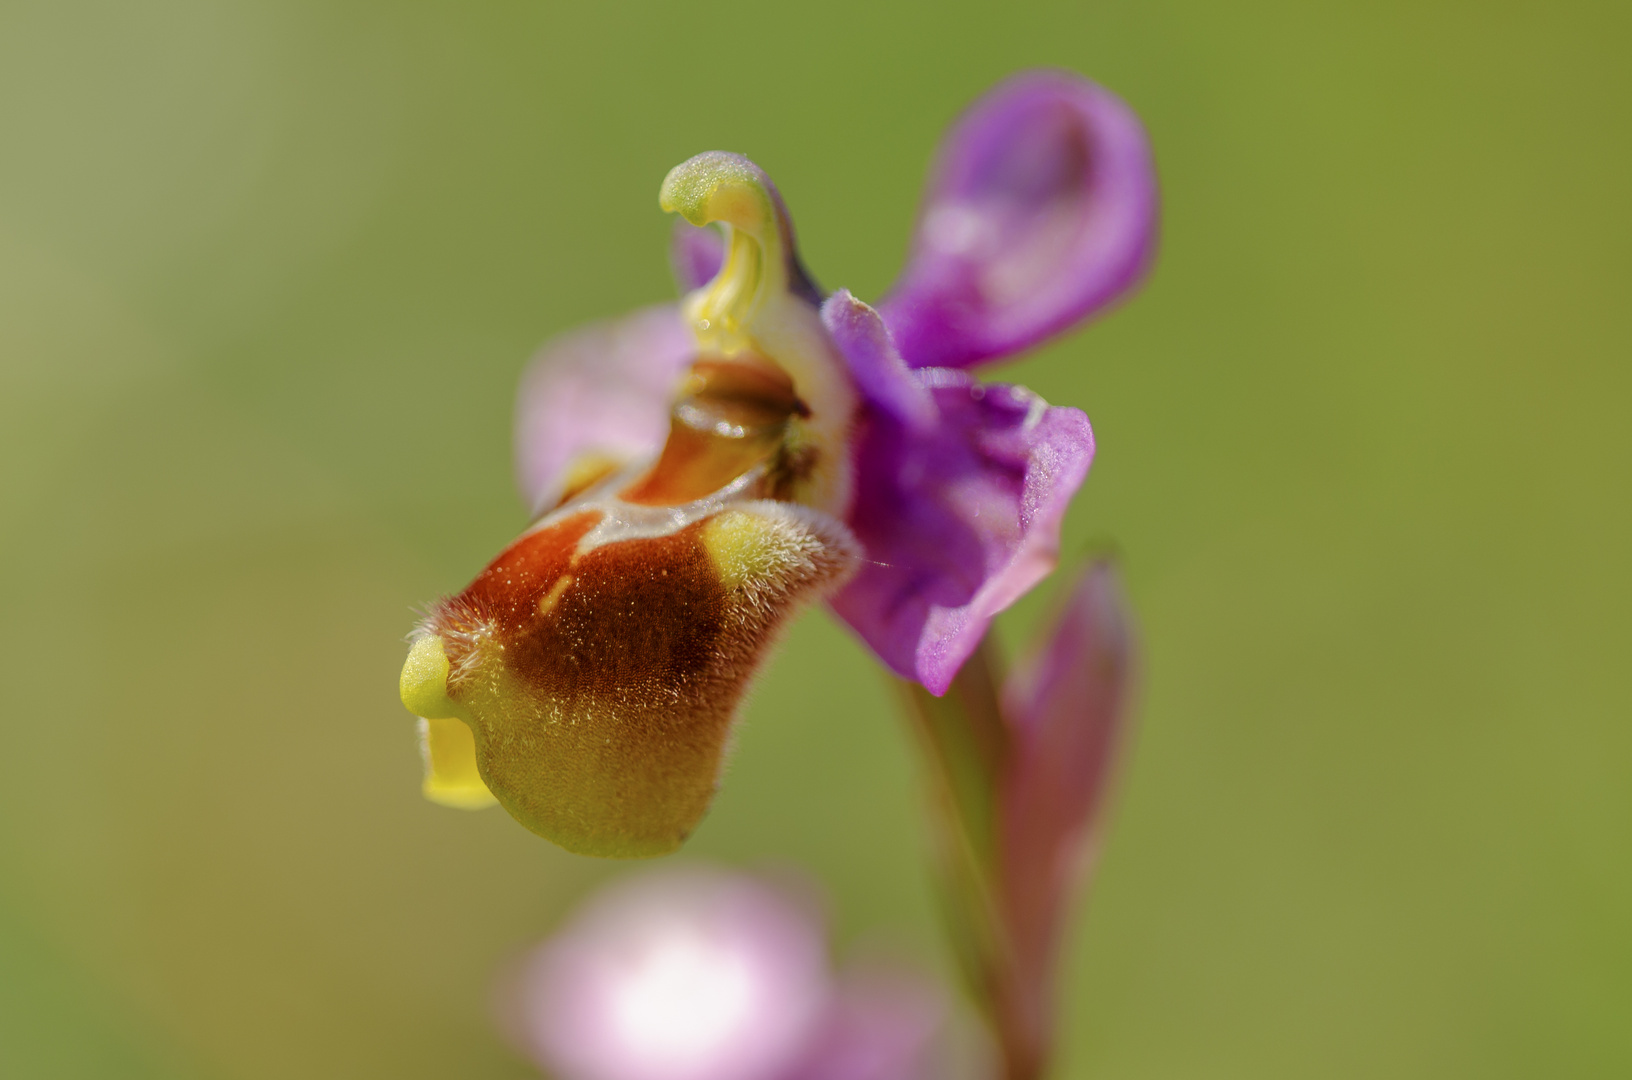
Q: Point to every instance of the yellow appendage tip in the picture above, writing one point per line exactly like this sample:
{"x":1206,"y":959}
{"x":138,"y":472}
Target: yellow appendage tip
{"x":451,"y":778}
{"x":424,"y":682}
{"x":445,"y":741}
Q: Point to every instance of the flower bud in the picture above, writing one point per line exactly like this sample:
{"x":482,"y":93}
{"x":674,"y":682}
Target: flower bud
{"x":1065,"y":706}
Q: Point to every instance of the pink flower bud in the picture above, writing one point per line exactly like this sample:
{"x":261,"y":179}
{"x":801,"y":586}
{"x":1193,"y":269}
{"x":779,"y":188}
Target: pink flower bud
{"x":1064,"y":706}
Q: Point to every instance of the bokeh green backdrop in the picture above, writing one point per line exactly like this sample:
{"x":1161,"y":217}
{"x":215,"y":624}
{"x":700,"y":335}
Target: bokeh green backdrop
{"x":268,"y":271}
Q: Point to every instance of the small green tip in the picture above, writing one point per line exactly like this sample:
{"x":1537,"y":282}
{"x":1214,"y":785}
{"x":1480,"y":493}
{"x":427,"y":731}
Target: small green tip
{"x":424,"y":682}
{"x":718,"y":186}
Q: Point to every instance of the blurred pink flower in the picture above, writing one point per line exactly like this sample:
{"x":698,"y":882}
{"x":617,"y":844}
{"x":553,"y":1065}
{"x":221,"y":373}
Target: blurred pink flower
{"x":882,"y":1023}
{"x":696,"y":974}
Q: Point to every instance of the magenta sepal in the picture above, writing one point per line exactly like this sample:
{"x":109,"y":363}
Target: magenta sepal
{"x":961,"y":488}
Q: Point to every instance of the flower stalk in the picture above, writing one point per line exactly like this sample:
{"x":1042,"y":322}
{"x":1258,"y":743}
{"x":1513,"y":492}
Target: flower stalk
{"x":963,"y":744}
{"x":1016,"y":767}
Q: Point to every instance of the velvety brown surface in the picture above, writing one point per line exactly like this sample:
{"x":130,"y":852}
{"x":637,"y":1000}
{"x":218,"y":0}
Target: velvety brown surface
{"x":602,"y":684}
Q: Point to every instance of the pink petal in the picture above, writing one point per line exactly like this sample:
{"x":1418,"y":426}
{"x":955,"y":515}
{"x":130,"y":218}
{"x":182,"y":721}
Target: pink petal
{"x":602,"y":389}
{"x":1040,"y":211}
{"x":960,"y":492}
{"x":695,"y":254}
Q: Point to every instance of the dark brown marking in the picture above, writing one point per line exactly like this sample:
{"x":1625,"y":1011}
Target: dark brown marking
{"x":601,"y":719}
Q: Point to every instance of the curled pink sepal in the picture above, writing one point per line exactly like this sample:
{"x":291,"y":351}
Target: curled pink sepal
{"x":1040,"y":211}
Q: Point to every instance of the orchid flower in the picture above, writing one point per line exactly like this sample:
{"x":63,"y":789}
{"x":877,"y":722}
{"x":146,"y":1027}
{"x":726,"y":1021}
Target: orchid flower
{"x":702,"y":470}
{"x":697,"y":974}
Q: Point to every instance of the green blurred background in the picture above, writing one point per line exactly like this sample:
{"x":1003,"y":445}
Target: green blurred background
{"x":268,"y":272}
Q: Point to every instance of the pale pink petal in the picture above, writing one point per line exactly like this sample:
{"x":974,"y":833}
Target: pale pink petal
{"x":602,"y":389}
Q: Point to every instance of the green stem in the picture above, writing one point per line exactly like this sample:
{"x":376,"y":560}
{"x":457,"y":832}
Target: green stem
{"x":965,"y":748}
